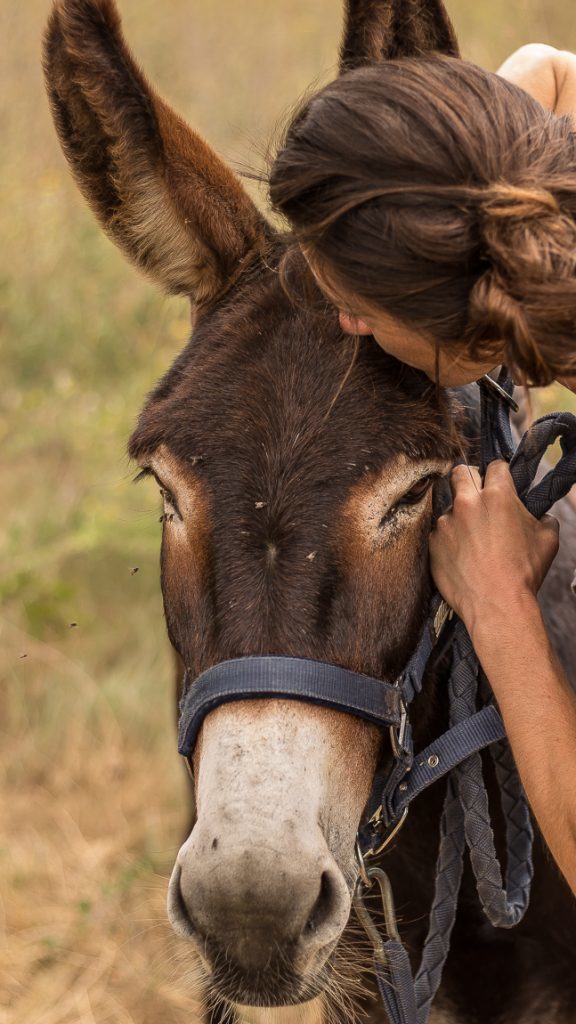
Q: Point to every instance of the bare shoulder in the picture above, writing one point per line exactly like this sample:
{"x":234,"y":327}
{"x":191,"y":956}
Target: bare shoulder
{"x":533,"y":68}
{"x":548,"y":74}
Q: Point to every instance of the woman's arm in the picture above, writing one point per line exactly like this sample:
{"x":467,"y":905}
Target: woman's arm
{"x":488,"y":558}
{"x":539,"y":711}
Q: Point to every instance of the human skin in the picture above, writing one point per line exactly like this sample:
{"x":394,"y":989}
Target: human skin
{"x":488,"y":555}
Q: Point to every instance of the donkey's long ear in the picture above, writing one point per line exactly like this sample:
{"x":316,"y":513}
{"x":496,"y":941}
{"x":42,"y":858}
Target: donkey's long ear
{"x":377,"y":30}
{"x":157,"y":188}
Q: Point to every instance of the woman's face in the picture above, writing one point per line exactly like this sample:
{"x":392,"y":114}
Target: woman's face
{"x":416,"y":348}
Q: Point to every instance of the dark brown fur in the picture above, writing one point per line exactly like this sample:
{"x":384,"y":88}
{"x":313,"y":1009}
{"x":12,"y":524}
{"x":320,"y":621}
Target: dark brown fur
{"x":257,"y":383}
{"x":377,"y":30}
{"x":273,"y":451}
{"x":156,"y":187}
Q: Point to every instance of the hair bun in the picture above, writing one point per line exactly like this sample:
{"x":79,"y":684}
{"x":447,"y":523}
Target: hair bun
{"x":525,"y":233}
{"x":505,"y":201}
{"x":526,"y":299}
{"x":498,"y":317}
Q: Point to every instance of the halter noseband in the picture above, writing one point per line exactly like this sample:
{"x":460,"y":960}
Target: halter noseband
{"x":384,"y":704}
{"x":315,"y":682}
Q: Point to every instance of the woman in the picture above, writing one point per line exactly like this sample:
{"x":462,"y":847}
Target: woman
{"x":435,"y":204}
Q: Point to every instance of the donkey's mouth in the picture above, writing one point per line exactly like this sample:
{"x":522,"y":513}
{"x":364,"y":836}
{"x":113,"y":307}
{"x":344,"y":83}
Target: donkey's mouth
{"x":277,"y":984}
{"x":281,"y":980}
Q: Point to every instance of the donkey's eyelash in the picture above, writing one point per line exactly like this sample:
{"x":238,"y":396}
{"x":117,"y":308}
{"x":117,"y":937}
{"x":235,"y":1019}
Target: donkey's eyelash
{"x":167,"y":495}
{"x":411,"y":498}
{"x":146,"y":471}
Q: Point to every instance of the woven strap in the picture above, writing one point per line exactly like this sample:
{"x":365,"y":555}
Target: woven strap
{"x":555,"y":485}
{"x":303,"y":679}
{"x":496,"y":433}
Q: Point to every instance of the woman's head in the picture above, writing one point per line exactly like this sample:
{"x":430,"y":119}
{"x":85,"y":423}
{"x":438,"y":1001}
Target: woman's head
{"x":436,"y":199}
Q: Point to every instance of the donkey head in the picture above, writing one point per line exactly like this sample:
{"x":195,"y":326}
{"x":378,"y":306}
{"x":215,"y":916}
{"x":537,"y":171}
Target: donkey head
{"x":297,"y":488}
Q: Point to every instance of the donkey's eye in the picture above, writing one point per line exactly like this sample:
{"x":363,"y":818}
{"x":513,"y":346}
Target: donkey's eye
{"x":418,"y":491}
{"x":412,"y":497}
{"x":170,"y":504}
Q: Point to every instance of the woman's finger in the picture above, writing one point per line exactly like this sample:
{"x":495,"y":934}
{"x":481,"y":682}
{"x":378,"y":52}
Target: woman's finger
{"x":465,"y":479}
{"x":498,"y":475}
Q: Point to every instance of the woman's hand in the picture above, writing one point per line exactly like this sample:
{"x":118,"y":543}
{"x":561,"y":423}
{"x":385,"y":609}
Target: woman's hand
{"x":488,"y":554}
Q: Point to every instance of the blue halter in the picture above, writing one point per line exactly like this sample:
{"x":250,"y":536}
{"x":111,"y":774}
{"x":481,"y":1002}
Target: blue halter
{"x":384,"y":704}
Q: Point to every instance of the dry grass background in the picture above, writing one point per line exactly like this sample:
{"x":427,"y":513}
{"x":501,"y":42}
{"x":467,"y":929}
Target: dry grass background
{"x":92,"y":798}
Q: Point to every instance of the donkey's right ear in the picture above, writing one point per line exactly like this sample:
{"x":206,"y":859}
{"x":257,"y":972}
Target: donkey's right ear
{"x":156,"y":187}
{"x":378,"y":30}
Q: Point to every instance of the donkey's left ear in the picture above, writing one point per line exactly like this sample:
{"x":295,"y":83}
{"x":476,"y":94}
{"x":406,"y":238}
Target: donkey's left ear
{"x":156,"y":187}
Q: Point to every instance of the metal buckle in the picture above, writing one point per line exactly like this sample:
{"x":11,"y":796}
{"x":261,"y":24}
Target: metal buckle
{"x":397,"y":738}
{"x":381,"y":878}
{"x":443,"y":614}
{"x":500,"y":392}
{"x":388,"y":836}
{"x":375,"y":821}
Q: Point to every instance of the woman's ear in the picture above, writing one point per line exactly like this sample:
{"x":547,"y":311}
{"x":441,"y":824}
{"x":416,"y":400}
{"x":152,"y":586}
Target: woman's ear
{"x":352,"y":325}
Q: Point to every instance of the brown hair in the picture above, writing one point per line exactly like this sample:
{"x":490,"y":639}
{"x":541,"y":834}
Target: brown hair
{"x":445,"y":196}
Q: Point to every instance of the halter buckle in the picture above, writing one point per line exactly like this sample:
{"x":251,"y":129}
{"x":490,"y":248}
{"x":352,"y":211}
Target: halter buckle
{"x":391,"y":832}
{"x":499,"y":391}
{"x":397,"y":738}
{"x":443,"y":615}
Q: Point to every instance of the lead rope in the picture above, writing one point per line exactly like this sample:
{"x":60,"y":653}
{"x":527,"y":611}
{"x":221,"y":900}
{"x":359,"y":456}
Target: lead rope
{"x":503,"y":906}
{"x":466,"y":817}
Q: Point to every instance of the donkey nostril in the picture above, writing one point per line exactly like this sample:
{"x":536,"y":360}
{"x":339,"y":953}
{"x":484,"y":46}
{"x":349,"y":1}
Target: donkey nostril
{"x":324,"y":905}
{"x":178,"y":912}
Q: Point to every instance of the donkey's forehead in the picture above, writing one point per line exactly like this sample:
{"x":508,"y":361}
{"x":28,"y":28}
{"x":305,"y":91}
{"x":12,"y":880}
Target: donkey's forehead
{"x":262,"y":387}
{"x":284,"y":460}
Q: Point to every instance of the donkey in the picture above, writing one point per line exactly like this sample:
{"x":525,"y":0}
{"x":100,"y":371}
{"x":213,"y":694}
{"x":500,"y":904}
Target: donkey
{"x":298,"y":487}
